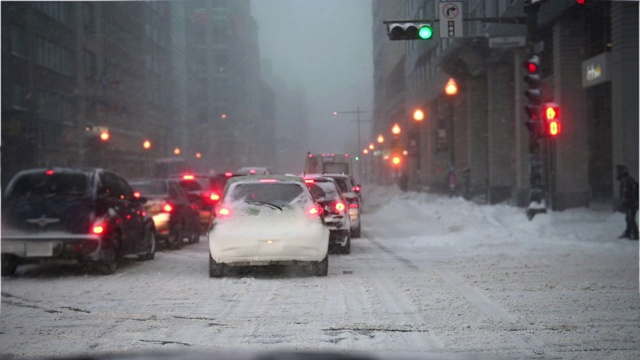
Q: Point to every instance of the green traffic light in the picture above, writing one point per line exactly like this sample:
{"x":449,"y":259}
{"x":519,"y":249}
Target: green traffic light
{"x":425,"y":32}
{"x":357,"y":158}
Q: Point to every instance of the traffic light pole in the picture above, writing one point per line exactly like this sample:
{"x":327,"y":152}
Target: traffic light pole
{"x":537,"y":201}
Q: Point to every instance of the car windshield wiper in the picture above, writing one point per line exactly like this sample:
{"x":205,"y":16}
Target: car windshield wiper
{"x":263,"y":203}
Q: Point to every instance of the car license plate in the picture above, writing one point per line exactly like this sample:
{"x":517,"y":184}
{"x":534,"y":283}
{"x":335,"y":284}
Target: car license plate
{"x":40,"y":249}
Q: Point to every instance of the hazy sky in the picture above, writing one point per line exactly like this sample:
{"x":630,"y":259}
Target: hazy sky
{"x":325,"y":46}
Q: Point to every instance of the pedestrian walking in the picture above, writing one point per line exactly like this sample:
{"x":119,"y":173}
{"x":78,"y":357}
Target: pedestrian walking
{"x":628,"y":201}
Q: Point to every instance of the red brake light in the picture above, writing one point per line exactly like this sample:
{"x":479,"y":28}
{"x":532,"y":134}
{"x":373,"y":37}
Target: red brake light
{"x":252,"y":171}
{"x":188,"y":177}
{"x":309,"y":181}
{"x":340,"y":206}
{"x":167,"y":208}
{"x":356,"y":188}
{"x":49,"y":172}
{"x":268,"y":180}
{"x":314,"y":211}
{"x":214,"y":197}
{"x":228,"y":174}
{"x":224,"y":212}
{"x":136,"y":194}
{"x":354,"y":205}
{"x":98,"y":229}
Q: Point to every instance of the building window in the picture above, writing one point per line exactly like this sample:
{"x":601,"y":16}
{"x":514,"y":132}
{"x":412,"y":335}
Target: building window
{"x":88,"y":17}
{"x":18,"y":41}
{"x":89,"y":63}
{"x":19,"y":99}
{"x":61,"y":11}
{"x":54,"y":57}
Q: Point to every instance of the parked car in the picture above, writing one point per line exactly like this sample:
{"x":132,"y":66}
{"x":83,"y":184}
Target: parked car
{"x":205,"y":191}
{"x":326,"y":193}
{"x":174,"y":216}
{"x":88,"y":216}
{"x":253,"y":170}
{"x":353,"y":200}
{"x":265,"y":220}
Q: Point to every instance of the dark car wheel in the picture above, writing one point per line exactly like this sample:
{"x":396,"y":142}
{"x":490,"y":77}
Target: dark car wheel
{"x":356,"y":232}
{"x":9,"y":264}
{"x":321,"y":268}
{"x":346,"y":249}
{"x":175,"y":240}
{"x":216,"y":269}
{"x":150,"y":240}
{"x":111,"y":256}
{"x":195,"y":237}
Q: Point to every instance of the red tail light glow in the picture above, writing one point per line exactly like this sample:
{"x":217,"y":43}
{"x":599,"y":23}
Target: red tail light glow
{"x":228,"y":174}
{"x":354,"y":206}
{"x":309,"y":181}
{"x":167,"y":208}
{"x":98,"y":229}
{"x":224,"y":212}
{"x":49,"y":172}
{"x":314,"y":211}
{"x":188,"y":177}
{"x":340,"y":206}
{"x":214,"y":197}
{"x":268,"y":180}
{"x":136,"y":194}
{"x":356,"y":188}
{"x":252,"y":171}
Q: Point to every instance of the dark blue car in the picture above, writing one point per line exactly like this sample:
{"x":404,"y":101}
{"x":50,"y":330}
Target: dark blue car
{"x":85,"y":216}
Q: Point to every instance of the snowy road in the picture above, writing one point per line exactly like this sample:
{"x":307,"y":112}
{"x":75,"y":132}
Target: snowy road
{"x":430,"y":275}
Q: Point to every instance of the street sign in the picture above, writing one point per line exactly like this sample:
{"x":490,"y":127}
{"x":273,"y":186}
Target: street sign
{"x":450,"y":16}
{"x":507,"y":42}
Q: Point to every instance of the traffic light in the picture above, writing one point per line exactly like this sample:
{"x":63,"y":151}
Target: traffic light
{"x":533,"y":93}
{"x":551,"y":120}
{"x":409,"y":31}
{"x":396,"y":160}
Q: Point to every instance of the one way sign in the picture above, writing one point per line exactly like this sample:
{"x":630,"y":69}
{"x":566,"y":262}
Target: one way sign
{"x":450,"y":16}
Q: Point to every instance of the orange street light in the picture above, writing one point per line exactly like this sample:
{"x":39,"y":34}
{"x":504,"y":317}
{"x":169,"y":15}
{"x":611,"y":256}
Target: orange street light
{"x":365,"y":151}
{"x":146,"y":145}
{"x":418,"y":115}
{"x":380,"y":139}
{"x":451,"y":88}
{"x":223,"y":116}
{"x":396,"y":130}
{"x":176,"y":151}
{"x":371,"y":147}
{"x":198,"y":155}
{"x":104,"y":136}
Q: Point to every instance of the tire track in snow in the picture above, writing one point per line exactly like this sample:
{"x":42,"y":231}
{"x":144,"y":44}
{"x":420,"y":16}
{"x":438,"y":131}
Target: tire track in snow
{"x":527,"y":343}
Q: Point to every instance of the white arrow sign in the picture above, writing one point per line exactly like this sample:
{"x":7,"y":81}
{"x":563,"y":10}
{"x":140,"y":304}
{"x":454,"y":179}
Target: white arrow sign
{"x":450,"y":15}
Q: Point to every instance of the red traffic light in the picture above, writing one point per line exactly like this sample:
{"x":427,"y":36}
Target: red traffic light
{"x":532,"y":64}
{"x":551,"y":120}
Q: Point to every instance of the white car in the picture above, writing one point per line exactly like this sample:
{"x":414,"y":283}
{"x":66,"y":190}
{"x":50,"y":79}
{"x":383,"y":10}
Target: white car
{"x":268,"y":220}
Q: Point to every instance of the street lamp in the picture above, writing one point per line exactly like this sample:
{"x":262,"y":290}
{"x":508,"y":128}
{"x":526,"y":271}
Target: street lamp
{"x":396,"y":130}
{"x":418,"y":115}
{"x":176,"y":151}
{"x":380,"y":139}
{"x":451,"y":88}
{"x":371,"y":147}
{"x":146,"y":145}
{"x":357,"y":112}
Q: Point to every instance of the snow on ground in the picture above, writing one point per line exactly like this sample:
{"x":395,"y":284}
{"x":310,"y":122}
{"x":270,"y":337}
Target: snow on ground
{"x":430,"y":275}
